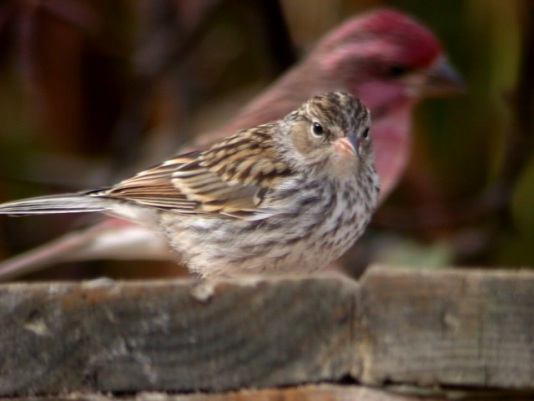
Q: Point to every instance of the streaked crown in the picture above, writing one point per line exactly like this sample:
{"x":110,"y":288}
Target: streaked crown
{"x":338,"y":109}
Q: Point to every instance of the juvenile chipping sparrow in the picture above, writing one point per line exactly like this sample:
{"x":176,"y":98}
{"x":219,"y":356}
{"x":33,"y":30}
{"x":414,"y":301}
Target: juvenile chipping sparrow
{"x":291,"y":195}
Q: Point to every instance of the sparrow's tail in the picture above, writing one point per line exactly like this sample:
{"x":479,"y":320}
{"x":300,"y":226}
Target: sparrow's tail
{"x":65,"y":203}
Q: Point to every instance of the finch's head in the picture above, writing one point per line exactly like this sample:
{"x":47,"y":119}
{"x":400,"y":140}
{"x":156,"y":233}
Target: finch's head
{"x":331,"y":131}
{"x":385,"y":54}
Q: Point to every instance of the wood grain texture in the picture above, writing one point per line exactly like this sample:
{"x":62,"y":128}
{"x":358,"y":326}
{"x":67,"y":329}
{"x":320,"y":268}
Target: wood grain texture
{"x":178,"y":336}
{"x":473,"y":329}
{"x":300,"y":393}
{"x":449,"y":327}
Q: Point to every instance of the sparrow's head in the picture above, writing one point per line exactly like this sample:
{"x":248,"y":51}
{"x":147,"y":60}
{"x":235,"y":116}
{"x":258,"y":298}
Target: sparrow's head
{"x":385,"y":54}
{"x":330,"y":131}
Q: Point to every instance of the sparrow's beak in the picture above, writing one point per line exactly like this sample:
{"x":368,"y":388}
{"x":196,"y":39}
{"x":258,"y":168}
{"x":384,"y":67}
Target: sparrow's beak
{"x":349,"y":145}
{"x":442,"y":79}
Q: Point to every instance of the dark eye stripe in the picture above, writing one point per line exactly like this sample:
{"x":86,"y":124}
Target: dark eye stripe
{"x":397,"y":70}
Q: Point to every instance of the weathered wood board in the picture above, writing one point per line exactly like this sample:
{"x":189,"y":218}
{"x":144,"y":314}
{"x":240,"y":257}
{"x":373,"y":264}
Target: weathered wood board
{"x":300,"y":393}
{"x":402,"y":326}
{"x":449,"y":327}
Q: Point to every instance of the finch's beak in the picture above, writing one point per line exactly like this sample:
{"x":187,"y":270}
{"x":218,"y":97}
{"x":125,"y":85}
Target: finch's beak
{"x":442,"y":79}
{"x":349,"y":145}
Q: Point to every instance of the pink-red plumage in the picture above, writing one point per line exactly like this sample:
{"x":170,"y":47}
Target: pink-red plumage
{"x":401,"y":37}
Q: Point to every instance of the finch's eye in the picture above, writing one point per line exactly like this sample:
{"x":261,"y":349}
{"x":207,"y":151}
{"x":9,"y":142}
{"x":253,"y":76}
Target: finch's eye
{"x":397,"y":70}
{"x":317,"y":129}
{"x":365,"y":134}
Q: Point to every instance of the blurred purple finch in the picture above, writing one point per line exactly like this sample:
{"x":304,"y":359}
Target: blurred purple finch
{"x":384,"y":57}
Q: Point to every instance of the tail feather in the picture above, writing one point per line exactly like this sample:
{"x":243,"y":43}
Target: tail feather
{"x":65,"y":203}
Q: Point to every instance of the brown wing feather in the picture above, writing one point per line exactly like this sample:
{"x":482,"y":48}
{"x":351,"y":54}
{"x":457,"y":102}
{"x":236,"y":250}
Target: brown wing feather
{"x":153,"y":187}
{"x":230,"y":178}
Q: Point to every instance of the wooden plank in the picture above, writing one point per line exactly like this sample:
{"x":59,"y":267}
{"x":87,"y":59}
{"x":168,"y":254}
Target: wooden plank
{"x":301,"y":393}
{"x":448,"y":327}
{"x":177,"y":336}
{"x":402,"y":326}
{"x":322,"y":392}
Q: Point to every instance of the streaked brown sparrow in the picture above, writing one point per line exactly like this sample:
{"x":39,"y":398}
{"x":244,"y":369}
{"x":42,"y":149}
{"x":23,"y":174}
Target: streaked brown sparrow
{"x":287,"y":196}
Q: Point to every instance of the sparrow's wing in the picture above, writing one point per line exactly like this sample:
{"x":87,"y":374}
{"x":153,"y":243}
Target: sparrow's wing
{"x":153,"y":187}
{"x":232,"y":178}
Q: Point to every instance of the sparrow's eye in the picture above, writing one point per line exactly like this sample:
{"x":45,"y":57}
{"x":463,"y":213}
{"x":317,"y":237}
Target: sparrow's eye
{"x":365,"y":134}
{"x":317,"y":129}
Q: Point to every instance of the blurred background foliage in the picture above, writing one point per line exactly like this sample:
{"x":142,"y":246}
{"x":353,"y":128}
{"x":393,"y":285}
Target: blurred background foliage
{"x":92,"y":90}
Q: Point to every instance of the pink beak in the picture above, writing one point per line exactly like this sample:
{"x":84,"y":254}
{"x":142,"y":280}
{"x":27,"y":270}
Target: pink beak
{"x":349,"y":145}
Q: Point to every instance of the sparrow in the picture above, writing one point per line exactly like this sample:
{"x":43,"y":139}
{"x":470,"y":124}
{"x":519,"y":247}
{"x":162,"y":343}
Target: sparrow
{"x":291,"y":195}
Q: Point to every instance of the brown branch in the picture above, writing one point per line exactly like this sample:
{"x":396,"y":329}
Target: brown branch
{"x":164,"y":49}
{"x":167,"y":47}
